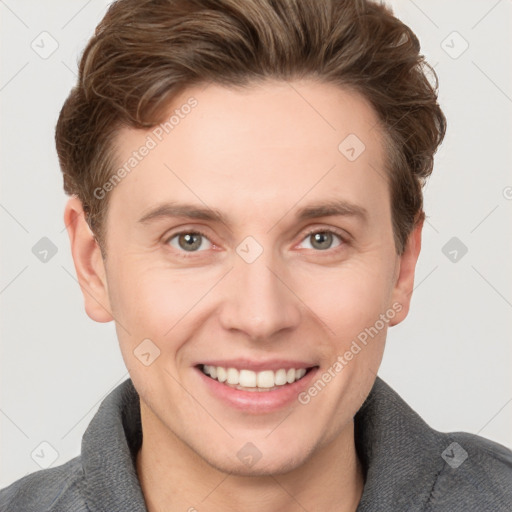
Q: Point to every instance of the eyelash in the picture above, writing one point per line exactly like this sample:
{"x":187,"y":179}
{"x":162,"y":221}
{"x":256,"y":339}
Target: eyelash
{"x":343,"y":238}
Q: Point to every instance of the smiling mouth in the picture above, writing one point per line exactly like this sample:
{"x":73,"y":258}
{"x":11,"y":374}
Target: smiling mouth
{"x":248,"y":380}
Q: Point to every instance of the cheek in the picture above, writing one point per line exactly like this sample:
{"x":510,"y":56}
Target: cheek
{"x":163,"y":304}
{"x":151,"y":301}
{"x":350,"y":299}
{"x":151,"y":305}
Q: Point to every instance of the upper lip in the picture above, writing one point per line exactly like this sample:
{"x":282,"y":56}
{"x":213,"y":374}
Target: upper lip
{"x":257,"y":366}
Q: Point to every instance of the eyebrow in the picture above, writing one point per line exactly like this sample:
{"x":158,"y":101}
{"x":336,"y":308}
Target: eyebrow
{"x":328,"y":208}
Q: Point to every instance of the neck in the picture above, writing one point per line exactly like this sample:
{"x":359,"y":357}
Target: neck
{"x":175,"y":478}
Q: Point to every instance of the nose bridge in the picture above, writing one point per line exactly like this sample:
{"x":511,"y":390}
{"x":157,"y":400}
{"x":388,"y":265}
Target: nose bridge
{"x":258,"y":302}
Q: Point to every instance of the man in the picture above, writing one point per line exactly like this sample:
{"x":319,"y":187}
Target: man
{"x":247,"y":208}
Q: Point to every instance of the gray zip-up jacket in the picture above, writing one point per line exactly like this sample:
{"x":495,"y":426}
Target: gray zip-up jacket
{"x":408,"y":465}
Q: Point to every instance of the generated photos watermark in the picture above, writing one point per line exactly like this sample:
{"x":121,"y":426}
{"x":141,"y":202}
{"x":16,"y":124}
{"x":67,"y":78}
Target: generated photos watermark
{"x":356,"y":346}
{"x":152,"y":140}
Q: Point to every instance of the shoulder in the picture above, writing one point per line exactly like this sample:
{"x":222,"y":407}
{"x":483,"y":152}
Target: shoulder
{"x":476,"y":474}
{"x":48,"y":490}
{"x":411,"y":466}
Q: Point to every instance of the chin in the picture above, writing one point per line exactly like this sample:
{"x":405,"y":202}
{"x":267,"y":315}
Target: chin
{"x":249,"y":461}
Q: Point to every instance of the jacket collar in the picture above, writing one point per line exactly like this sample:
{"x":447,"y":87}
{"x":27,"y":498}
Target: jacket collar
{"x":400,"y":453}
{"x":109,"y":448}
{"x":394,"y":444}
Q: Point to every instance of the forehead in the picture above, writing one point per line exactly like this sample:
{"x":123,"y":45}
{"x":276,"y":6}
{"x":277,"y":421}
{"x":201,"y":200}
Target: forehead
{"x":264,"y":145}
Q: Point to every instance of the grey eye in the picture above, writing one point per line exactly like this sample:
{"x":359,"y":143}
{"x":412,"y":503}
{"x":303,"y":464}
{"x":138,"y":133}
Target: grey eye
{"x":188,"y":241}
{"x":322,"y":240}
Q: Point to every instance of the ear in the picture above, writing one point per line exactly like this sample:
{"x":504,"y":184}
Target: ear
{"x":404,"y":283}
{"x":89,"y":265}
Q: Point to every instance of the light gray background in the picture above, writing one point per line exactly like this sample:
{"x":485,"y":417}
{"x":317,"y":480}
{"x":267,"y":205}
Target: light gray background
{"x":451,"y":358}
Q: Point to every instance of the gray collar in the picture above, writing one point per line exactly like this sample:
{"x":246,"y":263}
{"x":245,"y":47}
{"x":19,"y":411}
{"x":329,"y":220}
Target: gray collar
{"x":401,"y":455}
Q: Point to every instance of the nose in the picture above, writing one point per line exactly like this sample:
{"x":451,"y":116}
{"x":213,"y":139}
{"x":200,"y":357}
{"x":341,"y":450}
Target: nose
{"x":259,"y":299}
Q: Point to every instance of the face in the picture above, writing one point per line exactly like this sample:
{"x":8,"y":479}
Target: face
{"x":256,"y":236}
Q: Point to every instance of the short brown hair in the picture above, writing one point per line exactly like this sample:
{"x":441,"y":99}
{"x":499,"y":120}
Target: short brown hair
{"x":146,"y":51}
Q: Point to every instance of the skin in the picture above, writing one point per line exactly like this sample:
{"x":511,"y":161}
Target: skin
{"x":257,"y":155}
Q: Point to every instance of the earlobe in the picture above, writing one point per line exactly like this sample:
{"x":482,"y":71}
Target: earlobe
{"x":89,"y":265}
{"x":404,"y":283}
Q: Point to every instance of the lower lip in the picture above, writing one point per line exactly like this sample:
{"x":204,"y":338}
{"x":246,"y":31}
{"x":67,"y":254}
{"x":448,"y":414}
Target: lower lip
{"x":258,"y":402}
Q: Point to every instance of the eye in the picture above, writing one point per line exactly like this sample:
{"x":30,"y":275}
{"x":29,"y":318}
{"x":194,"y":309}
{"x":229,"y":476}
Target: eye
{"x":195,"y":241}
{"x":189,"y":241}
{"x":323,"y":239}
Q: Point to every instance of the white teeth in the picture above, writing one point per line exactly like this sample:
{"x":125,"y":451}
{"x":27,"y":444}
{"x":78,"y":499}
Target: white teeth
{"x":233,"y":376}
{"x":260,"y":381}
{"x":221,"y":374}
{"x":247,"y":378}
{"x":280,"y":377}
{"x":266,"y":379}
